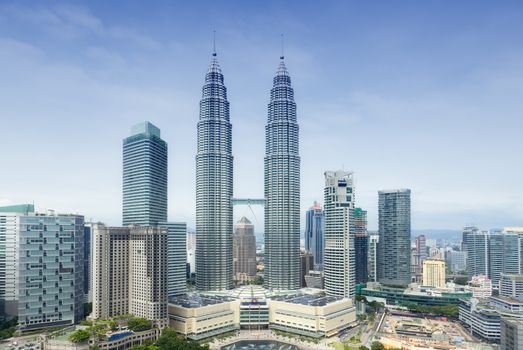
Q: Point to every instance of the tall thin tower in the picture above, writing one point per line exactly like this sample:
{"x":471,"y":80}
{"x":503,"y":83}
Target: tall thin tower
{"x":282,"y":187}
{"x":214,"y":181}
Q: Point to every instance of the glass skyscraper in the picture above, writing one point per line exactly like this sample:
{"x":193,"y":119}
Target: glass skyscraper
{"x":176,"y":257}
{"x":144,"y":176}
{"x":314,"y":234}
{"x":282,"y":187}
{"x":214,"y":186}
{"x":393,"y":266}
{"x":361,"y":244}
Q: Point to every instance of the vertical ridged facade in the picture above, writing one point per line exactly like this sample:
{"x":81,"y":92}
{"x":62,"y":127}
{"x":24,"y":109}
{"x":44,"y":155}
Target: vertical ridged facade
{"x":214,"y":186}
{"x":144,"y":176}
{"x":282,"y":187}
{"x":339,"y":260}
{"x":394,"y":245}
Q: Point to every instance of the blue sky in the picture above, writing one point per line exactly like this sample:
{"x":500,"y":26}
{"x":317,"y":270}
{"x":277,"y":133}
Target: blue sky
{"x":419,"y":94}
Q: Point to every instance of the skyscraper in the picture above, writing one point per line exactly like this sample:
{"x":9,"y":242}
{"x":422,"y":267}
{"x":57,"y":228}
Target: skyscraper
{"x":306,"y":265}
{"x":374,"y":239}
{"x":339,"y":262}
{"x":314,"y":237}
{"x":176,"y":258}
{"x":394,"y":229}
{"x":282,"y":187}
{"x":361,"y":244}
{"x":144,"y":176}
{"x":214,"y":186}
{"x":244,"y":251}
{"x":130,"y":272}
{"x":421,"y":250}
{"x":477,"y":244}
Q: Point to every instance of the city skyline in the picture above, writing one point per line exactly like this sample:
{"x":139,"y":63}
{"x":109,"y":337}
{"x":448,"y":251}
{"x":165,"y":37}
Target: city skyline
{"x":68,"y":104}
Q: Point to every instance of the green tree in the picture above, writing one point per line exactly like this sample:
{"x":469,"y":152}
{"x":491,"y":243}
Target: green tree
{"x":363,"y":347}
{"x":139,"y":324}
{"x":377,"y":346}
{"x":80,"y":336}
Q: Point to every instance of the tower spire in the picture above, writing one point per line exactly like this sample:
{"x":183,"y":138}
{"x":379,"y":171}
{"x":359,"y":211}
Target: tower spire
{"x":282,"y":56}
{"x":214,"y":43}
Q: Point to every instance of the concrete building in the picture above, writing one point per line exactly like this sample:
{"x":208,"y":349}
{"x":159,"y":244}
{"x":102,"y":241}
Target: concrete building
{"x":144,"y":176}
{"x":394,"y":228}
{"x":148,"y":273}
{"x":198,"y":317}
{"x":421,"y":250}
{"x":315,"y":279}
{"x":176,"y":257}
{"x":361,"y":245}
{"x":9,"y":258}
{"x":87,"y":263}
{"x":282,"y":187}
{"x":374,"y":239}
{"x":480,"y":286}
{"x":483,"y":318}
{"x":340,"y":256}
{"x":244,"y":251}
{"x":314,"y":315}
{"x":511,"y":333}
{"x":306,"y":265}
{"x":214,"y":185}
{"x":41,"y":267}
{"x":314,"y":234}
{"x":511,"y":286}
{"x":433,"y":273}
{"x":110,"y":271}
{"x":130,"y":272}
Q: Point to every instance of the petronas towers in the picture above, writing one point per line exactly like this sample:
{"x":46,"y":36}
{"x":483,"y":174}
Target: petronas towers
{"x":214,"y":187}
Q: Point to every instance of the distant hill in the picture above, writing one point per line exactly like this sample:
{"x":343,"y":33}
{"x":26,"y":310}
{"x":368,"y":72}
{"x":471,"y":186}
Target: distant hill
{"x":438,"y":234}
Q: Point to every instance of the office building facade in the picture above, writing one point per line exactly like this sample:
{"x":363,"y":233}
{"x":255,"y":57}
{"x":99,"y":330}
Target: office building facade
{"x":214,"y":186}
{"x":306,"y":265}
{"x":477,"y":244}
{"x":41,"y":267}
{"x":372,"y":266}
{"x":340,"y":256}
{"x":314,"y":234}
{"x":144,"y":176}
{"x":434,"y":273}
{"x":244,"y":251}
{"x":176,"y":258}
{"x":511,"y":333}
{"x":361,"y":245}
{"x":393,"y":266}
{"x":282,"y":187}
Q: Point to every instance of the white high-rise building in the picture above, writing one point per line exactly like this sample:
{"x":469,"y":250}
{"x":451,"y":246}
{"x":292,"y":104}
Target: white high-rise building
{"x":434,"y":273}
{"x":374,"y":238}
{"x":339,"y":259}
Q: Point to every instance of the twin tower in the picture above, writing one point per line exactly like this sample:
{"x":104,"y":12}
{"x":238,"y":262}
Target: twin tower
{"x":214,"y":186}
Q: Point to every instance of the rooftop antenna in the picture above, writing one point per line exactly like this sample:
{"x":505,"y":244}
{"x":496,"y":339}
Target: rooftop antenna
{"x":282,"y":56}
{"x":214,"y":43}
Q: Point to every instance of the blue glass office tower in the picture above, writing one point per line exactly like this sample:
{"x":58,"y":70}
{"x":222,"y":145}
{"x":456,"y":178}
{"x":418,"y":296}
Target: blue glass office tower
{"x":361,"y":244}
{"x":176,"y":257}
{"x":144,"y":176}
{"x":282,"y":187}
{"x":314,"y":234}
{"x":214,"y":186}
{"x":393,"y":266}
